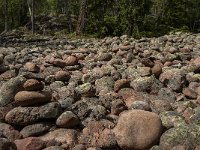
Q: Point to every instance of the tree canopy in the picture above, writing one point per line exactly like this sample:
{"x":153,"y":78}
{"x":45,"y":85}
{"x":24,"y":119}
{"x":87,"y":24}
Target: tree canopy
{"x":100,"y":18}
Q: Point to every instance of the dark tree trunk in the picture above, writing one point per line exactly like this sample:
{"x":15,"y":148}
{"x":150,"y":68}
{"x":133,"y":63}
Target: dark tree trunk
{"x":81,"y":18}
{"x":6,"y":16}
{"x":68,"y":15}
{"x":33,"y":16}
{"x":57,"y":8}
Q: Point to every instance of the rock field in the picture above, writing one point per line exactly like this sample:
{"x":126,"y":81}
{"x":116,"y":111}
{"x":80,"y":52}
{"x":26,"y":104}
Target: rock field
{"x":114,"y":93}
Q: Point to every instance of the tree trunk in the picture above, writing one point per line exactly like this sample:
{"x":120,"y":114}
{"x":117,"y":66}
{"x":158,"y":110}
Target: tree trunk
{"x":33,"y":17}
{"x":6,"y":16}
{"x":32,"y":14}
{"x":57,"y":8}
{"x":81,"y":18}
{"x":68,"y":15}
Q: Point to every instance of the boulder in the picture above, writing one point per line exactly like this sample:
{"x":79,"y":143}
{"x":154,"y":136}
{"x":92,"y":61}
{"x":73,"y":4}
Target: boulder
{"x":137,"y":129}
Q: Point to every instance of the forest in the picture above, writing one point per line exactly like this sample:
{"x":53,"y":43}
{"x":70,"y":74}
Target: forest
{"x":100,"y":18}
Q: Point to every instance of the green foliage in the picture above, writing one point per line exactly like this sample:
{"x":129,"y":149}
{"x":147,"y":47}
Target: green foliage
{"x":135,"y":18}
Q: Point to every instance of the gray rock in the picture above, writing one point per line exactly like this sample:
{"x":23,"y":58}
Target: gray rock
{"x":54,"y":148}
{"x":30,"y":115}
{"x":84,"y":107}
{"x":31,"y":75}
{"x":146,"y":84}
{"x":142,"y":105}
{"x":67,"y":120}
{"x":36,"y":129}
{"x":171,"y":119}
{"x":9,"y":89}
{"x":182,"y":135}
{"x":64,"y":136}
{"x":85,"y":89}
{"x":9,"y":132}
{"x":167,"y":94}
{"x":159,"y":106}
{"x":6,"y":144}
{"x":104,"y":84}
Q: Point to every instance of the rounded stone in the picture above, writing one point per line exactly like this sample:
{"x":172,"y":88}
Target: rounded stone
{"x":9,"y":132}
{"x":159,"y":106}
{"x":6,"y":144}
{"x":67,"y":120}
{"x":54,"y":148}
{"x":30,"y":143}
{"x":189,"y":93}
{"x":71,"y":60}
{"x":57,"y":62}
{"x":9,"y":89}
{"x":104,"y":57}
{"x":35,"y":129}
{"x":85,"y":89}
{"x":63,"y":136}
{"x":156,"y":69}
{"x":137,"y":129}
{"x":33,"y":85}
{"x":122,"y":83}
{"x":32,"y":67}
{"x":26,"y":98}
{"x":141,"y":105}
{"x":62,"y":76}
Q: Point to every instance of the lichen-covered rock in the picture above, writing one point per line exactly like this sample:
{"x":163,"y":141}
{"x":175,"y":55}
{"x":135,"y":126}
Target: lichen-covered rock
{"x":6,"y":144}
{"x":104,"y":57}
{"x":36,"y":129}
{"x":9,"y":89}
{"x":182,"y":135}
{"x":173,"y":78}
{"x":30,"y":115}
{"x":104,"y":84}
{"x":159,"y":106}
{"x":171,"y":119}
{"x":85,"y":89}
{"x":146,"y":84}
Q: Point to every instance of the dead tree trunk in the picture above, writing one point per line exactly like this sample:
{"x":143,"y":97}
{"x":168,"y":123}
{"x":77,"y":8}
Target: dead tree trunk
{"x":31,"y":7}
{"x":81,"y":18}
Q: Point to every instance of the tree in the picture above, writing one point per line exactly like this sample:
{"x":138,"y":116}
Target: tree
{"x":68,"y":14}
{"x":6,"y":16}
{"x":81,"y":18}
{"x":31,"y":7}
